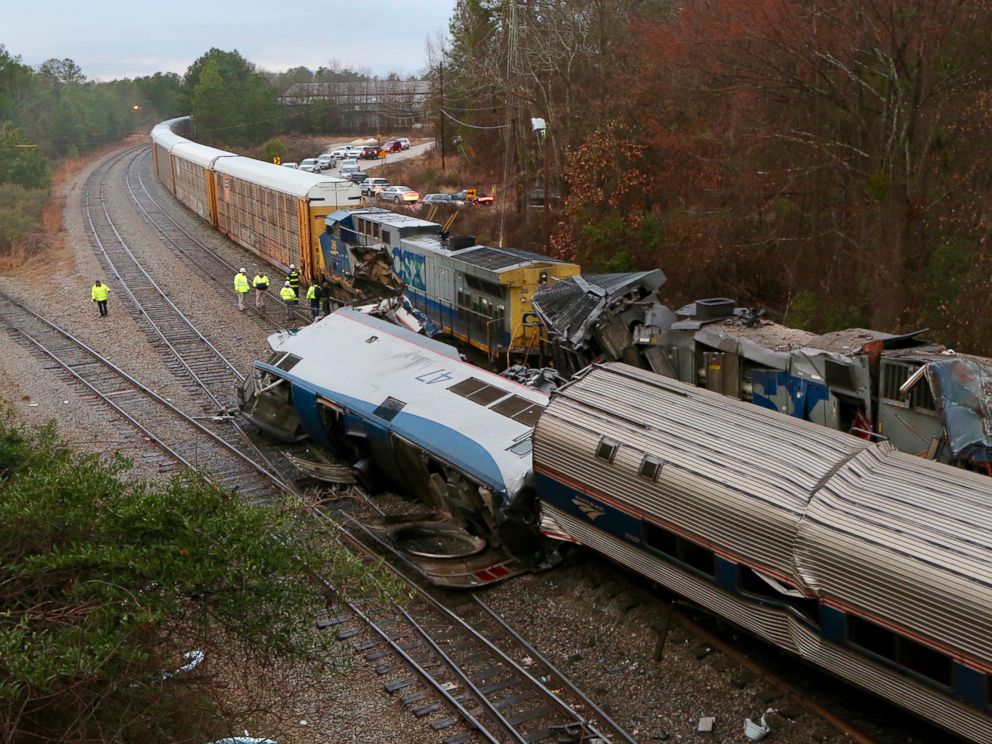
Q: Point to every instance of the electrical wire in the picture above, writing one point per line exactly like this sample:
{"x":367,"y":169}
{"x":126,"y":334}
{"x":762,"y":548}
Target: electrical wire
{"x":472,"y":126}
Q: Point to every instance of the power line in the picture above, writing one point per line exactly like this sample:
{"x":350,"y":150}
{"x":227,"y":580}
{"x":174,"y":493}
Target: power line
{"x":472,"y":126}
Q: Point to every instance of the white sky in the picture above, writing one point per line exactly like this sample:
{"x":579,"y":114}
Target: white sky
{"x":112,"y":39}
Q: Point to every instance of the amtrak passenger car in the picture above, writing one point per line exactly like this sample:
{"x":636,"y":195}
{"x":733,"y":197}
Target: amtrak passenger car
{"x":478,"y":294}
{"x":407,"y":408}
{"x":871,"y":563}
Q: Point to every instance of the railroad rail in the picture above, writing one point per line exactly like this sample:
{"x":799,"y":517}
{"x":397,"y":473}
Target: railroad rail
{"x":208,"y":263}
{"x":183,"y":438}
{"x":497,"y":685}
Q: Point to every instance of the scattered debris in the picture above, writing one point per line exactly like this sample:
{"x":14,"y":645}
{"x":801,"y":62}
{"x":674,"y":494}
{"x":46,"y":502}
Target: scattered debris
{"x":757,"y":731}
{"x":706,"y":725}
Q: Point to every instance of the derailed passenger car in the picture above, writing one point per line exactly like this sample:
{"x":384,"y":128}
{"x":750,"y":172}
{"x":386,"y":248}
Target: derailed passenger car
{"x":874,"y":564}
{"x":409,"y":414}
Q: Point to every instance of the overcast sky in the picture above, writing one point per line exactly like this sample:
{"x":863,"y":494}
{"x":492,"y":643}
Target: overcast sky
{"x":129,"y":38}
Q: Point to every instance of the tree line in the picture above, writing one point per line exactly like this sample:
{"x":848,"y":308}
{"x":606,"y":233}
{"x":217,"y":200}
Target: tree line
{"x":824,"y":159}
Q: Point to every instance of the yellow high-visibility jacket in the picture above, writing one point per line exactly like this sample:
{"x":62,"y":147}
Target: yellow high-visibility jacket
{"x":287,"y":294}
{"x":100,"y":293}
{"x":241,"y":283}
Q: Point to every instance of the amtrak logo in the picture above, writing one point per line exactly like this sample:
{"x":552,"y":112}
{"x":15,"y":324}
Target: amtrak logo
{"x":591,"y":511}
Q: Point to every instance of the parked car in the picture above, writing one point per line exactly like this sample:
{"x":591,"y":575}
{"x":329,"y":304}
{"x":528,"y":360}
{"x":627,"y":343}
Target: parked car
{"x":290,"y":165}
{"x":372,"y":186}
{"x":325,"y":161}
{"x":309,"y":164}
{"x":348,"y":163}
{"x":404,"y":142}
{"x":369,"y":152}
{"x":355,"y":176}
{"x":339,"y":152}
{"x":393,"y":146}
{"x":449,"y":199}
{"x":353,"y":152}
{"x":399,"y":194}
{"x":472,"y":196}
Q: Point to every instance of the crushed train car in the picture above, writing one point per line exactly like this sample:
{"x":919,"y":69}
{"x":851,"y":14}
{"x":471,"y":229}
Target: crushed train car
{"x":403,"y":411}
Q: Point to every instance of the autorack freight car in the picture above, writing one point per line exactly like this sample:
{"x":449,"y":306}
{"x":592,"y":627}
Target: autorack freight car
{"x":277,"y":213}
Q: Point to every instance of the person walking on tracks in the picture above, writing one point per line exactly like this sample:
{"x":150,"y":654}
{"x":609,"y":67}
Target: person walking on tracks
{"x":314,"y":294}
{"x":294,"y":279}
{"x":100,"y":293}
{"x":289,"y":297}
{"x":261,"y":285}
{"x":241,"y":287}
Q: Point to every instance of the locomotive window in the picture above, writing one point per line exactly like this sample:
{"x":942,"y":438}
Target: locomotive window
{"x":283,"y":361}
{"x":683,"y":551}
{"x":650,"y":467}
{"x":839,"y":375}
{"x":607,"y":449}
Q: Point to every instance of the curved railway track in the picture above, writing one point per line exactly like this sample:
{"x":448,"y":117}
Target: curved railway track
{"x":197,"y":254}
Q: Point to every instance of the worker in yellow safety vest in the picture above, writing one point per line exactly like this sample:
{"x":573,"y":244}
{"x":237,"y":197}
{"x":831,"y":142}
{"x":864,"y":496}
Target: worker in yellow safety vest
{"x":241,"y":287}
{"x":261,"y":284}
{"x":314,"y":293}
{"x":99,"y":294}
{"x":289,"y":297}
{"x":294,"y":279}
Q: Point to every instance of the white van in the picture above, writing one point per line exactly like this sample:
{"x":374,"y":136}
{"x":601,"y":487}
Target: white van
{"x":404,"y":142}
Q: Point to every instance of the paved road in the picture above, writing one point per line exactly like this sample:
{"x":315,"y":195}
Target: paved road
{"x":393,"y":157}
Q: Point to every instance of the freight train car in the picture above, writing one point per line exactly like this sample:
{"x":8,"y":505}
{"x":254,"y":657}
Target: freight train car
{"x":479,"y":294}
{"x":871,"y":563}
{"x":277,"y":213}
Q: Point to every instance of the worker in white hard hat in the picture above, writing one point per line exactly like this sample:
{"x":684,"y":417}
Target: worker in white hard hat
{"x":289,"y":296}
{"x":241,"y":287}
{"x":294,"y":279}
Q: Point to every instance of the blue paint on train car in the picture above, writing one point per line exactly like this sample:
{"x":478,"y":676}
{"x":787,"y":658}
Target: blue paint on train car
{"x":578,"y":504}
{"x":804,"y":394}
{"x":726,"y":574}
{"x":969,"y":685}
{"x":411,"y":268}
{"x":833,"y":624}
{"x":449,"y":445}
{"x":335,"y":254}
{"x":305,"y":403}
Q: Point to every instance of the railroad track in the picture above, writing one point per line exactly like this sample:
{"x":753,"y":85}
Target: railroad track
{"x":183,"y":440}
{"x":453,"y":658}
{"x":208,"y":263}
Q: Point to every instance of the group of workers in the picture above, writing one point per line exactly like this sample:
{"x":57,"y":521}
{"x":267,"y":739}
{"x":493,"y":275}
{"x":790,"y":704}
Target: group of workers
{"x":319,"y":296}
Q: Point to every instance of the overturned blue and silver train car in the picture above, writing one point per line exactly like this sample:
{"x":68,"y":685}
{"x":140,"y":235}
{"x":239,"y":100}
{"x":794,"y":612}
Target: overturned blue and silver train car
{"x":404,"y":412}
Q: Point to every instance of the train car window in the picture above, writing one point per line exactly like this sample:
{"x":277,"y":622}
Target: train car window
{"x":925,"y":661}
{"x":375,"y":230}
{"x":386,"y":237}
{"x":607,"y":449}
{"x":894,"y":374}
{"x":283,"y":360}
{"x":871,"y":637}
{"x":680,"y":549}
{"x":388,"y":409}
{"x":650,"y":467}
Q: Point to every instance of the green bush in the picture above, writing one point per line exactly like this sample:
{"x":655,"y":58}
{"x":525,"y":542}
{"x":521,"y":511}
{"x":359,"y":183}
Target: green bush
{"x":20,"y":212}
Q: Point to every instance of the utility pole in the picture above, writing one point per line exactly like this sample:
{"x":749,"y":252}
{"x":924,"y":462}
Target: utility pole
{"x":441,"y":81}
{"x":547,"y":196}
